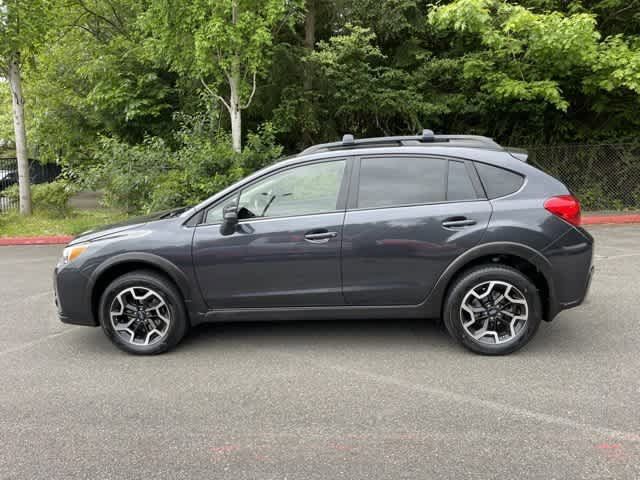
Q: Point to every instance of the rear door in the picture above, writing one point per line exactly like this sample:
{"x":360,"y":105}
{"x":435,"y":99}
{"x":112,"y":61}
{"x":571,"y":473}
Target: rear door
{"x":408,"y":218}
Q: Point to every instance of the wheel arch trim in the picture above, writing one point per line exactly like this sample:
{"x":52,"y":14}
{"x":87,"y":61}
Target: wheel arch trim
{"x":154,"y":261}
{"x":435,"y":299}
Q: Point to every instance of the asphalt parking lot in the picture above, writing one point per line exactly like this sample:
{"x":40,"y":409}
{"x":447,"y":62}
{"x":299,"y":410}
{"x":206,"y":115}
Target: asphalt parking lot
{"x":325,"y":400}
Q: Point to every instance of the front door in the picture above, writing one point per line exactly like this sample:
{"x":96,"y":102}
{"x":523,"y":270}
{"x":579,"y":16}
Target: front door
{"x":285,"y":249}
{"x":409,"y":217}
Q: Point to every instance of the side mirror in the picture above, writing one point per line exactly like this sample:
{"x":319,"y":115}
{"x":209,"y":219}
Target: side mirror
{"x":230,"y":219}
{"x":230,"y":213}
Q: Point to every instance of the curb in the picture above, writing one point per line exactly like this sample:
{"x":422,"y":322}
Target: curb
{"x":64,"y":239}
{"x":49,"y":240}
{"x":610,"y":219}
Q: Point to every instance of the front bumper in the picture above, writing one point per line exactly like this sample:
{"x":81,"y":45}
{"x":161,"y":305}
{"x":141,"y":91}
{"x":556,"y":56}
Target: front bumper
{"x":69,"y":291}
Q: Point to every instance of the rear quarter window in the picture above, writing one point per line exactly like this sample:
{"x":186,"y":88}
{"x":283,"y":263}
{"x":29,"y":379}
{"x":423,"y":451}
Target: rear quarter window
{"x":497,"y":181}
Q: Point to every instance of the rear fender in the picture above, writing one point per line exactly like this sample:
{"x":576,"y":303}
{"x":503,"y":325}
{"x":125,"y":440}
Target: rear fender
{"x":435,"y":300}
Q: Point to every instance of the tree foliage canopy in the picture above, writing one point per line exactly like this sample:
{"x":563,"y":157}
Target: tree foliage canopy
{"x":145,"y":80}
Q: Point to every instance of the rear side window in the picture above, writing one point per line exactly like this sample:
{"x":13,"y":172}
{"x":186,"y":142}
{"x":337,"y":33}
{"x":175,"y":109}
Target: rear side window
{"x":459,"y":186}
{"x":394,"y":181}
{"x":498,"y":182}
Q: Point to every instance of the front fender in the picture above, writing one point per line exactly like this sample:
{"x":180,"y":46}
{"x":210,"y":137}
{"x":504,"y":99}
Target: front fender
{"x":154,"y":261}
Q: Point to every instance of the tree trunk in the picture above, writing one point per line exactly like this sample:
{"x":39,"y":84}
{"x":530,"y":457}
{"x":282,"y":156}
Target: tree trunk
{"x":24,"y":180}
{"x":236,"y":130}
{"x":234,"y":108}
{"x":234,"y":97}
{"x":309,"y":40}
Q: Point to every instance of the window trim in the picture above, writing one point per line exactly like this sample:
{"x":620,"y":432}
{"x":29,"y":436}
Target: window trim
{"x":471,"y":175}
{"x":352,"y":203}
{"x":475,"y":179}
{"x":343,"y":191}
{"x":205,"y":211}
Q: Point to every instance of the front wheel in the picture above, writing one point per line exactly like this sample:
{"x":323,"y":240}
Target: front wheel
{"x":493,"y":310}
{"x":143,"y":313}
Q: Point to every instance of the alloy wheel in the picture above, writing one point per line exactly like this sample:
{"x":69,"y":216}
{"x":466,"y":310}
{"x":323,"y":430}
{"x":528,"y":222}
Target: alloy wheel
{"x":494,"y":312}
{"x":140,"y":316}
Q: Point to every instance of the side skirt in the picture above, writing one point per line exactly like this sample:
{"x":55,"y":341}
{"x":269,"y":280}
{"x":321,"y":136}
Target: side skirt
{"x":314,"y":313}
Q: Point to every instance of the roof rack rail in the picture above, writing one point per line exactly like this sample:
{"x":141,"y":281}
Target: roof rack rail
{"x":427,"y":136}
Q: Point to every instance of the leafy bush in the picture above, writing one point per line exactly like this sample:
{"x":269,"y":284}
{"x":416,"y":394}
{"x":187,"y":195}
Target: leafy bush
{"x":262,"y":148}
{"x":12,"y":194}
{"x":50,"y":198}
{"x":153,"y":176}
{"x":198,"y":168}
{"x":128,"y":174}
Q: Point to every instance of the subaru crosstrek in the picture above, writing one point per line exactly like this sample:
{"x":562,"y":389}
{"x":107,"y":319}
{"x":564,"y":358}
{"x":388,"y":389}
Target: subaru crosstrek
{"x":449,"y":227}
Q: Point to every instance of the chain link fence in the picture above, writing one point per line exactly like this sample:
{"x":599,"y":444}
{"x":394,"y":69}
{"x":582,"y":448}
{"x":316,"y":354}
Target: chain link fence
{"x":604,"y":177}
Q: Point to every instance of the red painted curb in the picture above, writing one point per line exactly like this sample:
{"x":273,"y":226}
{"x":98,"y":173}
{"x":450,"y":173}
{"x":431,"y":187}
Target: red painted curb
{"x":51,"y":240}
{"x":610,"y":219}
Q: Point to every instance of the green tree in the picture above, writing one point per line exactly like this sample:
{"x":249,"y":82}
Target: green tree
{"x":93,"y":79}
{"x":534,"y":62}
{"x":225,"y":45}
{"x":367,"y":94}
{"x":22,"y":26}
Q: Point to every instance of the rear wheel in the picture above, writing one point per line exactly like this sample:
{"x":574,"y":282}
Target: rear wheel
{"x":143,"y":313}
{"x":493,"y":310}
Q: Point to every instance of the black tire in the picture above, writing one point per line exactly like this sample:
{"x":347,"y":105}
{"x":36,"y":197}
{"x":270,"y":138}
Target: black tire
{"x":178,"y":324}
{"x":473,"y":277}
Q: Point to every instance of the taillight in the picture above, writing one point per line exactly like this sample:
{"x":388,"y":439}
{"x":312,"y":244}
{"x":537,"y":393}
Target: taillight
{"x":566,"y":207}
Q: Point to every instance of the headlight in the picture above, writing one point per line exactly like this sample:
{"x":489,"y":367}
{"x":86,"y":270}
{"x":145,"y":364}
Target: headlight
{"x":69,"y":254}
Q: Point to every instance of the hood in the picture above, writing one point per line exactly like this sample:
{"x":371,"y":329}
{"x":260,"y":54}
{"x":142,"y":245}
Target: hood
{"x":129,"y":224}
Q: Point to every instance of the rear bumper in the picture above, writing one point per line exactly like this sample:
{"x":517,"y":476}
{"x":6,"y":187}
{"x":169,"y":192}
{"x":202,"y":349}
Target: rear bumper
{"x":571,"y":259}
{"x":582,"y":299}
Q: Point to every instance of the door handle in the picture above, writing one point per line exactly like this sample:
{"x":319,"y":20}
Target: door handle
{"x":319,"y":236}
{"x":458,"y":222}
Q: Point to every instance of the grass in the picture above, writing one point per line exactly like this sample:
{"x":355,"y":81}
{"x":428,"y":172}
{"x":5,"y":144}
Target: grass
{"x":12,"y":224}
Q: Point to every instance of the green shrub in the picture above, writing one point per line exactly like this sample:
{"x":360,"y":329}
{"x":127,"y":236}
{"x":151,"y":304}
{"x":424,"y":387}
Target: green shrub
{"x":200,"y":167}
{"x":50,"y":198}
{"x":12,"y":194}
{"x":128,"y":174}
{"x":261,"y":149}
{"x":205,"y":164}
{"x":153,"y":176}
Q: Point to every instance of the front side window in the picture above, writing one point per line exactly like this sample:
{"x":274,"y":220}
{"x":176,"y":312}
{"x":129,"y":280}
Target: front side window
{"x":395,"y":181}
{"x":303,"y":190}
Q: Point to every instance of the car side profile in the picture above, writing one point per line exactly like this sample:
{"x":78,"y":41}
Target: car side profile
{"x":451,"y":227}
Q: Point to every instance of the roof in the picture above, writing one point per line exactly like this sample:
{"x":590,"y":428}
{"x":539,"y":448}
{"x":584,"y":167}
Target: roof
{"x":427,"y":138}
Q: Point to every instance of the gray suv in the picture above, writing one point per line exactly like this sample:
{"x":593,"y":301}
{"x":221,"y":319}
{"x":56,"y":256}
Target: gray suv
{"x":449,"y":227}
